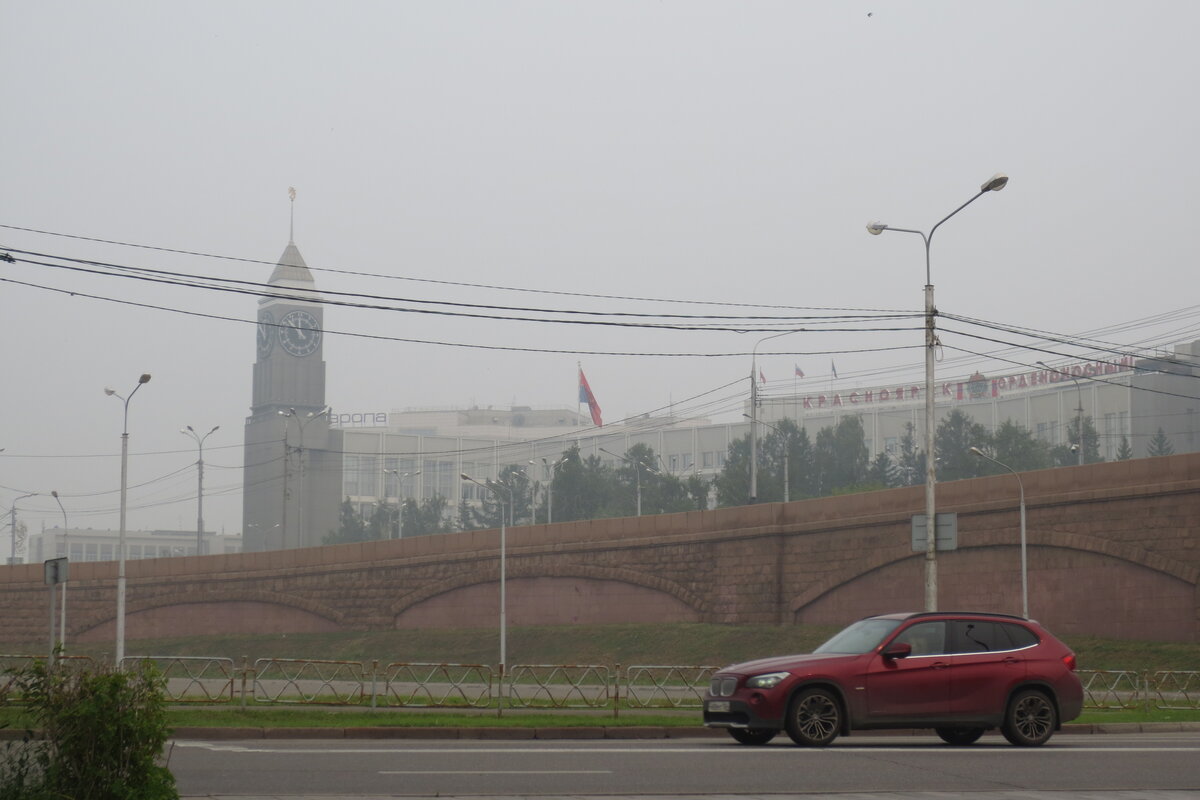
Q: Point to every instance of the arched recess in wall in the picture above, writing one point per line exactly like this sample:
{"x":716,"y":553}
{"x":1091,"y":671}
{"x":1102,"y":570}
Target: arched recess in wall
{"x":244,"y":612}
{"x":1077,"y":584}
{"x":569,"y":595}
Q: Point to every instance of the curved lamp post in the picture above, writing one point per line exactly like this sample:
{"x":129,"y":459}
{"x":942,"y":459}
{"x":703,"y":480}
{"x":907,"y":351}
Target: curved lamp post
{"x":993,"y":184}
{"x":13,"y":524}
{"x":400,"y":476}
{"x":495,"y":488}
{"x":62,"y":620}
{"x":189,"y":431}
{"x":1024,"y":567}
{"x":302,"y":422}
{"x":119,"y":656}
{"x":551,"y":469}
{"x":786,"y":494}
{"x":638,"y":466}
{"x":1078,"y":397}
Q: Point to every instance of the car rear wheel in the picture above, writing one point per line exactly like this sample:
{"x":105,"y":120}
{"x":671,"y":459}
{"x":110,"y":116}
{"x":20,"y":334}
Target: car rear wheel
{"x":752,"y":736}
{"x":814,"y":718}
{"x":1030,"y":719}
{"x":960,"y":736}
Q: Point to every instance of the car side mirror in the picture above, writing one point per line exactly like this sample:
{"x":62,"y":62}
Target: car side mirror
{"x":898,"y":650}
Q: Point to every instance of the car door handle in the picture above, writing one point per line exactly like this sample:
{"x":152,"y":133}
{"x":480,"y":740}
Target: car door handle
{"x":1010,"y":661}
{"x":939,"y":665}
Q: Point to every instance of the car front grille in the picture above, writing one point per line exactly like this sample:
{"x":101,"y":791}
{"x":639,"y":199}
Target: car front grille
{"x":722,"y":686}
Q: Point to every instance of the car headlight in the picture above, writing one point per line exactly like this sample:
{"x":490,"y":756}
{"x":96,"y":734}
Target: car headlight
{"x":767,"y":681}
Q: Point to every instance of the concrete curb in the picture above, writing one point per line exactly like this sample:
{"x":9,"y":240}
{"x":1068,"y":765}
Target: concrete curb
{"x":576,"y":733}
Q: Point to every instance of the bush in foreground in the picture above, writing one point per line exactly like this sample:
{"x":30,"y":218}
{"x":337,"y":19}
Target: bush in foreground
{"x":102,"y":736}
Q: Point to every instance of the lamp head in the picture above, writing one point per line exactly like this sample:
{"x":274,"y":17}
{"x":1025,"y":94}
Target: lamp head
{"x":145,"y":378}
{"x":109,"y":392}
{"x":464,"y":476}
{"x":978,"y":452}
{"x":876,"y":228}
{"x":994,"y":183}
{"x":189,"y":427}
{"x":54,"y":493}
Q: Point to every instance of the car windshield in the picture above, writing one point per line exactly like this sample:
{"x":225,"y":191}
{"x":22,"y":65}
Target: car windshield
{"x":861,"y":637}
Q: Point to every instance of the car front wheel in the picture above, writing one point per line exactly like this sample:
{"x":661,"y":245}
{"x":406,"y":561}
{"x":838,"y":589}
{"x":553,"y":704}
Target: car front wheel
{"x":814,"y":718}
{"x":1030,"y":719}
{"x":752,"y":736}
{"x":960,"y":736}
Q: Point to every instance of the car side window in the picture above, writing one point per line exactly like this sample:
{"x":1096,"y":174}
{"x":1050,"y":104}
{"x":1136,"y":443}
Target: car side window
{"x":974,"y":636}
{"x":1020,"y":635}
{"x":925,"y":638}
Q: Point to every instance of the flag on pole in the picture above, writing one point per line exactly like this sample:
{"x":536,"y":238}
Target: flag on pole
{"x":799,"y":372}
{"x":586,"y":396}
{"x":833,"y":368}
{"x":761,"y":378}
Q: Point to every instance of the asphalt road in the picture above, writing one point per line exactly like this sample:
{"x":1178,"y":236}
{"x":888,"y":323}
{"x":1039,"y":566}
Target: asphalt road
{"x":1097,"y":767}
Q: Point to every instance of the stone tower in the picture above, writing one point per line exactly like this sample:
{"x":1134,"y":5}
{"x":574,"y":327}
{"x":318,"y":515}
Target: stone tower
{"x":291,"y":477}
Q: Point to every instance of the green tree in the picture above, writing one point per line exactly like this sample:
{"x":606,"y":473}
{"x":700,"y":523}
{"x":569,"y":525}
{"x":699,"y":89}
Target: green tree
{"x":910,"y":464}
{"x":427,"y":518}
{"x":583,"y":487}
{"x":733,"y":482}
{"x":1091,"y":440}
{"x":698,"y":488}
{"x":1015,"y":445}
{"x":883,"y":472}
{"x":351,"y":527}
{"x":840,"y":458}
{"x":1124,"y":452}
{"x":957,"y":433}
{"x":1160,"y":445}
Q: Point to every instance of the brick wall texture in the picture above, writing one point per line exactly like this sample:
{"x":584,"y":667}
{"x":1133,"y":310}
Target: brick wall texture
{"x":1113,"y":550}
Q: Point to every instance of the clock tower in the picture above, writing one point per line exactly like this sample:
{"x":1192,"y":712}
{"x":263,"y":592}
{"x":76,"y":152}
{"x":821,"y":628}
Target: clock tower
{"x":292,"y":476}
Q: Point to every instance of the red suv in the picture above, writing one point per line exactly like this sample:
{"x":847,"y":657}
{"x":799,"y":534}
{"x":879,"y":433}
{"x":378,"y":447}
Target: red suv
{"x":960,"y":674}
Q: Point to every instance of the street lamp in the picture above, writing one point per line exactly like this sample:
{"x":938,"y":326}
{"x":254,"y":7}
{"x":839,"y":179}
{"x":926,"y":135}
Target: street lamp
{"x":754,"y":413}
{"x":120,"y":651}
{"x":62,"y":621}
{"x":302,"y":422}
{"x":189,"y":431}
{"x":13,"y":524}
{"x":993,"y":184}
{"x":550,"y":470}
{"x":786,"y":494}
{"x":1024,"y":568}
{"x":495,"y":489}
{"x":1079,"y":399}
{"x":400,"y":497}
{"x":638,"y":466}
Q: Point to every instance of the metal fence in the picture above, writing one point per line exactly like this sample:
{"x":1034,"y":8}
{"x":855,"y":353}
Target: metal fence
{"x":272,"y":681}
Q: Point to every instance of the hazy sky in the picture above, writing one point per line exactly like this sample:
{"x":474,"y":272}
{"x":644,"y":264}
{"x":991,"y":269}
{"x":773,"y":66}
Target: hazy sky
{"x":724,"y":152}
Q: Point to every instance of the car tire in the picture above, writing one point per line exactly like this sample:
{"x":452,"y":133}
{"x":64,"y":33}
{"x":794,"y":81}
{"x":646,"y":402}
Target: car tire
{"x":814,"y":717}
{"x":1030,"y":719}
{"x":960,"y":736}
{"x":752,"y":736}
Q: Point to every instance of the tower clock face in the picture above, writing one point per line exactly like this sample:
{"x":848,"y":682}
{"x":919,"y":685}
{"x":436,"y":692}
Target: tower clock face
{"x":299,"y":333}
{"x":266,"y":333}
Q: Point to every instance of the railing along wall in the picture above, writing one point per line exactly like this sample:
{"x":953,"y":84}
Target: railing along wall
{"x":288,"y":681}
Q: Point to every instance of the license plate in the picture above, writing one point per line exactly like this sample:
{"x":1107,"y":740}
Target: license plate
{"x":718,"y":706}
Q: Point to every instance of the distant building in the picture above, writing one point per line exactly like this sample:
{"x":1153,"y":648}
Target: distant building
{"x":89,"y":544}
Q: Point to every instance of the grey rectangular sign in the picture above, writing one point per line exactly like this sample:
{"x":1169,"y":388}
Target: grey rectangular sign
{"x":947,"y":532}
{"x":56,"y":570}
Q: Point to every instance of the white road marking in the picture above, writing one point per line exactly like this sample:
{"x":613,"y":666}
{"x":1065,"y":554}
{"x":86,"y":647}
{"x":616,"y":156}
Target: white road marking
{"x":495,"y":772}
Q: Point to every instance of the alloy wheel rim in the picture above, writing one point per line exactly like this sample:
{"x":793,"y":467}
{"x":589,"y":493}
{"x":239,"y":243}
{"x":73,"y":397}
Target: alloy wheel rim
{"x":817,"y":717}
{"x":1033,"y":717}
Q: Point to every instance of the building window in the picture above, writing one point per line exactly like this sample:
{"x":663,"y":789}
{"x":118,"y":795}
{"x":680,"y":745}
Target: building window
{"x":106,"y":552}
{"x":707,"y":459}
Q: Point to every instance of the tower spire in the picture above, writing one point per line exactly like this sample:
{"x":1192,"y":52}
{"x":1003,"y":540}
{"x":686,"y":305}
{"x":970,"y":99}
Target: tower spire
{"x":292,"y":216}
